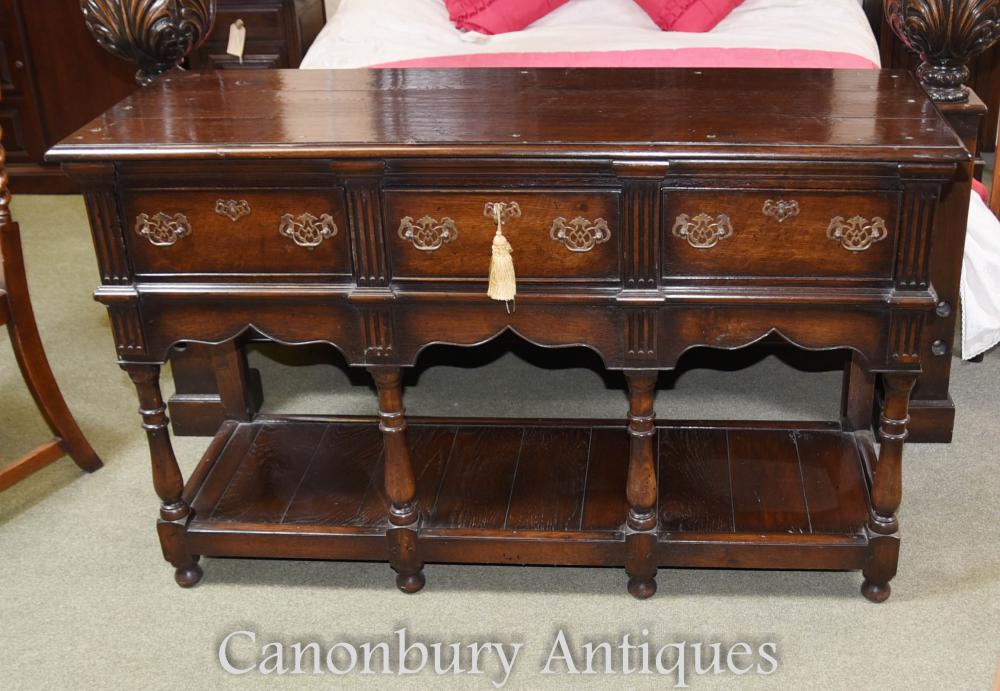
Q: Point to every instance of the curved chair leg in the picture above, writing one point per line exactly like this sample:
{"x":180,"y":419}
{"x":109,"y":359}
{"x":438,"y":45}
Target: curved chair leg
{"x":30,"y":354}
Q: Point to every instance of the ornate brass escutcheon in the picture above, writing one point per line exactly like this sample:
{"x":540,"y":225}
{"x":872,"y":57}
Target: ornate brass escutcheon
{"x":781,"y":210}
{"x":307,"y":230}
{"x":857,"y":234}
{"x":580,"y":234}
{"x":427,"y":234}
{"x":232,"y":209}
{"x":502,"y":212}
{"x":161,"y":229}
{"x":703,"y":231}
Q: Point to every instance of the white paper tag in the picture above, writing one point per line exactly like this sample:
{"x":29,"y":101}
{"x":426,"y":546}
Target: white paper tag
{"x":237,"y":39}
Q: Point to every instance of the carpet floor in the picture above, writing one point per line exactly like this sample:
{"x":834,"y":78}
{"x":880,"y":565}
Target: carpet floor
{"x":88,"y":602}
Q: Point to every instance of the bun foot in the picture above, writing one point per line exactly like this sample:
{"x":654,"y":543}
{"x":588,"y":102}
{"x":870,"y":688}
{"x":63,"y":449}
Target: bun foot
{"x":188,"y":576}
{"x":875,"y":592}
{"x":411,"y":583}
{"x":641,"y":588}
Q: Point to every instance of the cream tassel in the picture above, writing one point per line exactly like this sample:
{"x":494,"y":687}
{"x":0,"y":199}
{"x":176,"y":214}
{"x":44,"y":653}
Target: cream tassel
{"x":503,"y":282}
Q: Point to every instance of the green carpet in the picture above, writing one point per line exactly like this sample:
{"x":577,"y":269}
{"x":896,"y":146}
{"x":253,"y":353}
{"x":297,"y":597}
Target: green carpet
{"x":88,"y":602}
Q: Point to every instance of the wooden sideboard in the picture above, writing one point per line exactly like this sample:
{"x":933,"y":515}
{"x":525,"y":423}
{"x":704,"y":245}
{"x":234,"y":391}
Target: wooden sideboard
{"x":649,"y":212}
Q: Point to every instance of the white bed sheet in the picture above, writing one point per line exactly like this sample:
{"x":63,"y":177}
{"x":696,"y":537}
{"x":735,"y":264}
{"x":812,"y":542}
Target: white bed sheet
{"x":363,"y":33}
{"x":980,"y":285}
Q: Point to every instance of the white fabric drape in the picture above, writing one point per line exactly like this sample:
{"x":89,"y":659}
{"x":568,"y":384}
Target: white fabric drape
{"x":981,"y":281}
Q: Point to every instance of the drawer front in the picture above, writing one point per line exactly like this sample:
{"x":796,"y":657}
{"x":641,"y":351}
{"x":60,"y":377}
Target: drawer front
{"x":273,"y":60}
{"x":238,"y":232}
{"x":779,"y":234}
{"x":265,"y":23}
{"x":555,"y":235}
{"x":267,"y":39}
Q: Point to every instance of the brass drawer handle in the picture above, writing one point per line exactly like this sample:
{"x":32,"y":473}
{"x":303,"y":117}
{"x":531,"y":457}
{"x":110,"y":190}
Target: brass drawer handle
{"x":428,"y":234}
{"x":161,"y":229}
{"x":232,"y":209}
{"x":703,"y":232}
{"x":307,"y":230}
{"x":781,"y":210}
{"x":580,"y":234}
{"x":857,"y":234}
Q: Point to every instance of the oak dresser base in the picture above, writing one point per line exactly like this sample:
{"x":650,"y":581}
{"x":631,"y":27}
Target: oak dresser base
{"x":359,"y":209}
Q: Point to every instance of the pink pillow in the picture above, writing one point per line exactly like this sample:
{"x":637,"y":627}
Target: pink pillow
{"x":980,"y":189}
{"x":498,"y":16}
{"x":695,"y":16}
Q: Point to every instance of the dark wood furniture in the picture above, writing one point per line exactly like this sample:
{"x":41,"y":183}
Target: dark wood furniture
{"x":279,"y":32}
{"x":54,"y":78}
{"x":19,"y":317}
{"x":213,"y":384}
{"x":358,"y":208}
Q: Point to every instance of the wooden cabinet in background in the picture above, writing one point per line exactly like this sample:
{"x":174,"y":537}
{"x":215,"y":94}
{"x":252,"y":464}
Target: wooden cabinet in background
{"x":54,"y":78}
{"x":279,"y":32}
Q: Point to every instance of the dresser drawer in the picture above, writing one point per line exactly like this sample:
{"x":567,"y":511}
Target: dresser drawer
{"x":555,"y":235}
{"x":261,"y":23}
{"x":779,"y":234}
{"x":238,"y":232}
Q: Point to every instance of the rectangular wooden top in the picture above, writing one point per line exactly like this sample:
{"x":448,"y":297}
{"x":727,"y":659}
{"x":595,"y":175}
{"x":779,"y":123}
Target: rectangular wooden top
{"x":641,"y":114}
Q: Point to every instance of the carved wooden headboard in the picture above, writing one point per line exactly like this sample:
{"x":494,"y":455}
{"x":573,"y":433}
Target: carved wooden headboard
{"x":953,"y":38}
{"x":947,"y":34}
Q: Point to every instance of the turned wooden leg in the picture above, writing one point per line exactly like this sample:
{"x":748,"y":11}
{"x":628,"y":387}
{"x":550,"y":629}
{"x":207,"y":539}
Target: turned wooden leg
{"x":167,"y":478}
{"x":641,"y":486}
{"x":887,"y":488}
{"x":400,"y":486}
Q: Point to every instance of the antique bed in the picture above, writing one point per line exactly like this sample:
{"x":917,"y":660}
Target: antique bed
{"x":760,"y":33}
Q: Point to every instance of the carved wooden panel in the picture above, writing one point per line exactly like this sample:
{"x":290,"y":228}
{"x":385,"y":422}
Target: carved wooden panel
{"x":641,"y":212}
{"x":365,"y":207}
{"x":378,"y":333}
{"x":946,"y":35}
{"x":905,"y":339}
{"x":153,"y":33}
{"x":640,"y":334}
{"x":919,"y":208}
{"x":127,"y":328}
{"x":105,"y":224}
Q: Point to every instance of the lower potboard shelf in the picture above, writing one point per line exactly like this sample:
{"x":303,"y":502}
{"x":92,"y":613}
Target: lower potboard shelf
{"x":520,"y":493}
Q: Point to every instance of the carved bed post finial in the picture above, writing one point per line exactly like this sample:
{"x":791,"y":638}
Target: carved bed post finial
{"x":155,"y":34}
{"x":946,"y":35}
